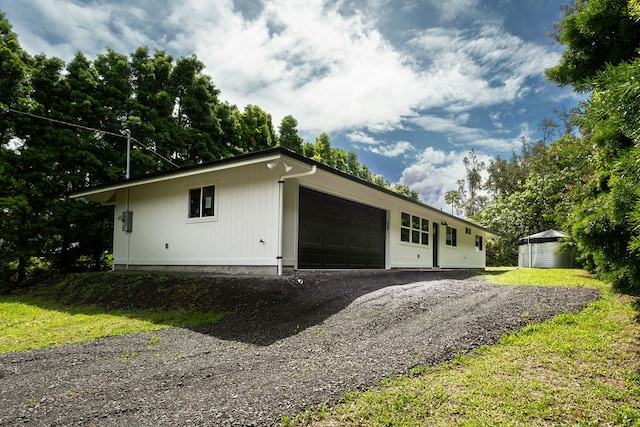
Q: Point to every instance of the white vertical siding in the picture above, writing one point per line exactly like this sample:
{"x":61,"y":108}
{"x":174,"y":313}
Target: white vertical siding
{"x":246,"y":212}
{"x":290,"y":224}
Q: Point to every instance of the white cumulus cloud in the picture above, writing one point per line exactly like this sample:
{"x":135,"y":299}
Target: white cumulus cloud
{"x":435,"y":172}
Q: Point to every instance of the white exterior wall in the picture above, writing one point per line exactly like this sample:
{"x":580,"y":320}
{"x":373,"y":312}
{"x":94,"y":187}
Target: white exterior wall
{"x":417,"y":255}
{"x":398,"y":254}
{"x":290,"y":224}
{"x":246,"y":212}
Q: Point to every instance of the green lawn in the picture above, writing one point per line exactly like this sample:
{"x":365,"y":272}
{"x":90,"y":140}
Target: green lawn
{"x":25,"y":325}
{"x":574,"y":370}
{"x":68,"y":311}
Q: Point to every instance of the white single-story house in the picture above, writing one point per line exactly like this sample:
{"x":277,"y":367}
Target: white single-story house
{"x":274,"y":210}
{"x":541,"y":250}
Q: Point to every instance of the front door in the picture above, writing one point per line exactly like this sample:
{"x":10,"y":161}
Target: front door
{"x":435,"y":245}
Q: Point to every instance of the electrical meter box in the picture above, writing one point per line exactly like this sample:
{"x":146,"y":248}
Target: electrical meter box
{"x":127,"y":221}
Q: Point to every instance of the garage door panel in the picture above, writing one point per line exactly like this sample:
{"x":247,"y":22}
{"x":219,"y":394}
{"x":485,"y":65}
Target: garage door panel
{"x":358,"y":260}
{"x":311,"y":219}
{"x":310,"y":237}
{"x":334,"y":241}
{"x":358,"y":226}
{"x":374,"y":259}
{"x":312,"y":258}
{"x":335,"y":223}
{"x":358,"y":241}
{"x":335,"y":259}
{"x":338,"y":233}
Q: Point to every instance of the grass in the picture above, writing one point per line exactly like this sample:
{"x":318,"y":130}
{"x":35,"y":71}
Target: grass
{"x":574,"y":370}
{"x":69,"y":310}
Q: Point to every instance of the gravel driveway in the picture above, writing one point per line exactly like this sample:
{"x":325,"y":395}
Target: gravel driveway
{"x":294,"y":342}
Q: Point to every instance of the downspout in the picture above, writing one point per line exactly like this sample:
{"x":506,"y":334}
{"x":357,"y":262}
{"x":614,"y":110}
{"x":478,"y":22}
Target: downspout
{"x":128,"y":234}
{"x":281,"y":210}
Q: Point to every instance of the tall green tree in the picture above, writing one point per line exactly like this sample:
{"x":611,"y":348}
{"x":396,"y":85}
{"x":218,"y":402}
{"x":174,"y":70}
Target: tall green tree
{"x":195,"y":99}
{"x":230,"y":139}
{"x":596,"y":33}
{"x":150,"y":117}
{"x":288,"y":134}
{"x":56,"y":159}
{"x":322,"y":151}
{"x":14,"y":62}
{"x":506,"y":177}
{"x":468,"y":198}
{"x":257,"y":131}
{"x":602,"y":39}
{"x":14,"y":206}
{"x":606,"y":221}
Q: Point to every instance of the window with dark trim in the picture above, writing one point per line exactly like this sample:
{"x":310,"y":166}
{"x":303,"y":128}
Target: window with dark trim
{"x":425,"y":231}
{"x":452,"y":236}
{"x":405,"y":224}
{"x":414,"y":229}
{"x":479,"y":243}
{"x":202,"y":202}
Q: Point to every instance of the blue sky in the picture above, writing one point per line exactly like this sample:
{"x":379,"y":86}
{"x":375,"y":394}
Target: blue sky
{"x":411,"y":86}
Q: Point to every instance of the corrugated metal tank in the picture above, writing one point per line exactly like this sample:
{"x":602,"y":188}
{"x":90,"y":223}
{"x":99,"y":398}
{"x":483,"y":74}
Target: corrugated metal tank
{"x":541,"y":251}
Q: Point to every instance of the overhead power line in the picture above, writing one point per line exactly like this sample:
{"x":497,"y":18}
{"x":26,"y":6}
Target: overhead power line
{"x":64,"y":123}
{"x":93,"y":130}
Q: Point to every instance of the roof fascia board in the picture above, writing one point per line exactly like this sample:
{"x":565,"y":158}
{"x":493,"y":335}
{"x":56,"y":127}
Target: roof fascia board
{"x":222,"y":165}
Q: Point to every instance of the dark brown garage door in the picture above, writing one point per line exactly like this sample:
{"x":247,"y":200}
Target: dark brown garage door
{"x":338,"y":233}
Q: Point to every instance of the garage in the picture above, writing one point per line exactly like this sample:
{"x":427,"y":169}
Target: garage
{"x":339,"y":233}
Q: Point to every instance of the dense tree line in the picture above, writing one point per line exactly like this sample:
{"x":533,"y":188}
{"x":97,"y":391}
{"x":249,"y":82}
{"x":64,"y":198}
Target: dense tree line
{"x":175,"y":117}
{"x":587,"y":181}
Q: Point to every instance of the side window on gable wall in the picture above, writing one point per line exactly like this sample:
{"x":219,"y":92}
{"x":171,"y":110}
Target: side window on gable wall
{"x":202,"y":202}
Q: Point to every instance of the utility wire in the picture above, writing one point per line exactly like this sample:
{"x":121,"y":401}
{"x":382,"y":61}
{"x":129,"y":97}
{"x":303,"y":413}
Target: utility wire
{"x":93,"y":130}
{"x":64,"y":123}
{"x":154,"y":152}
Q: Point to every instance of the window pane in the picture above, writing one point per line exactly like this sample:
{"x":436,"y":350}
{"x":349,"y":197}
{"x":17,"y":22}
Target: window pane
{"x":404,"y":234}
{"x":479,"y":242}
{"x":452,"y":236}
{"x":207,"y":200}
{"x":425,"y":238}
{"x":415,"y":236}
{"x":415,"y":222}
{"x":405,"y":219}
{"x":194,"y":203}
{"x":425,"y":224}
